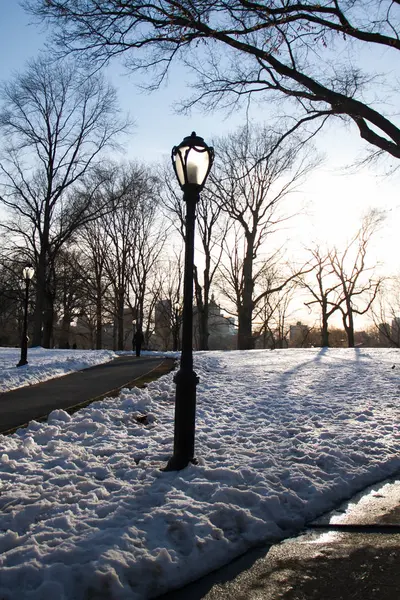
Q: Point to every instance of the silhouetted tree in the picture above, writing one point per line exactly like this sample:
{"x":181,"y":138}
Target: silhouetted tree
{"x":385,"y":312}
{"x":55,"y":121}
{"x":239,"y":48}
{"x":251,"y":189}
{"x":359,"y":283}
{"x":325,"y":290}
{"x":345,"y":282}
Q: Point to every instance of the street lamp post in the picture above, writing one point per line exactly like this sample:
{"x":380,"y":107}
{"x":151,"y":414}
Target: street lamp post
{"x":27,"y":273}
{"x":192,"y":161}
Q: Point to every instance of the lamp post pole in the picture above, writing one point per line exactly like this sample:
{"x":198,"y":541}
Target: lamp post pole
{"x":186,"y":379}
{"x":192,"y":161}
{"x":28,"y":273}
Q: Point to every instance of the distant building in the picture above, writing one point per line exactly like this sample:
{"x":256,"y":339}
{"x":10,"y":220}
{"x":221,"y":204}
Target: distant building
{"x":298,"y":334}
{"x":395,"y":331}
{"x":222,"y":329}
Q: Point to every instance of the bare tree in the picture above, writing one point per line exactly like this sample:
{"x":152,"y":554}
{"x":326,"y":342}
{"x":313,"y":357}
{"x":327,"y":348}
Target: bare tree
{"x":12,"y":296}
{"x":55,"y":122}
{"x":385,"y":313}
{"x":69,"y":293}
{"x":359,"y":283}
{"x":93,"y":246}
{"x":325,"y":292}
{"x":251,"y":191}
{"x":167,"y":298}
{"x":128,"y":240}
{"x":212,"y":230}
{"x":274,"y":310}
{"x":240,"y":48}
{"x":149,"y":238}
{"x":344,"y":280}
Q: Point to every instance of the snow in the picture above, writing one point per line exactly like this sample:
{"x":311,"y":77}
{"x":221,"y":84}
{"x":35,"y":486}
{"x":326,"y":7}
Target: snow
{"x":44,"y":364}
{"x":281,"y":437}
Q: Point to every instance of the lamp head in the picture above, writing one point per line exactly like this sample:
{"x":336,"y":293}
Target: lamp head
{"x":192,"y":161}
{"x":28,"y":273}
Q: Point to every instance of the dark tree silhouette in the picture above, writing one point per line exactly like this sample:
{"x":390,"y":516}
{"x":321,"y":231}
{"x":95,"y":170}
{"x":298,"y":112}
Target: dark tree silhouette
{"x":251,"y":190}
{"x":385,"y":312}
{"x":345,"y":281}
{"x":359,"y":284}
{"x":326,"y":291}
{"x":55,"y":122}
{"x":239,"y":48}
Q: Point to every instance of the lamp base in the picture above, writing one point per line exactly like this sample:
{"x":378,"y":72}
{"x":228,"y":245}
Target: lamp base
{"x":177,"y":463}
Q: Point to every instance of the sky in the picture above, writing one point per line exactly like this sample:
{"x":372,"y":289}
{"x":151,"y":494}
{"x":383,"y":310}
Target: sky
{"x":334,"y":198}
{"x":85,"y":508}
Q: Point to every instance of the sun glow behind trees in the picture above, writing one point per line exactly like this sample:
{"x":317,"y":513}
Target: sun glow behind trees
{"x":336,"y":199}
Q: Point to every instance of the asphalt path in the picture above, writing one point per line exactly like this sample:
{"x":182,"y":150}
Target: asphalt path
{"x":357,"y":560}
{"x":22,"y":405}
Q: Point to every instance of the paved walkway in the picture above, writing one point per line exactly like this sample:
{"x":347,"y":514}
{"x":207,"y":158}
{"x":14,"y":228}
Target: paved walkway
{"x":358,"y":560}
{"x":20,"y":406}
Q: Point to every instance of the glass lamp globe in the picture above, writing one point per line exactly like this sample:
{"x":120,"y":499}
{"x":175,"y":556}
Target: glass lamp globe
{"x":28,"y":272}
{"x":192,"y":161}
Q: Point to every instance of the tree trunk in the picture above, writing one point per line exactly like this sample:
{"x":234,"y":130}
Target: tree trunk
{"x":324,"y":329}
{"x":99,"y":323}
{"x":39,"y":300}
{"x":120,"y":320}
{"x":325,"y":335}
{"x":348,"y":323}
{"x":350,"y":332}
{"x":114,"y":335}
{"x":203,"y":329}
{"x":245,"y":337}
{"x":245,"y":312}
{"x":48,"y":319}
{"x":41,"y":319}
{"x":202,"y":312}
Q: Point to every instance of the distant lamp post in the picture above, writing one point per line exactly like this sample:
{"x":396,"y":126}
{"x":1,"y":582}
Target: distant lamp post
{"x":27,"y":274}
{"x":192,"y":161}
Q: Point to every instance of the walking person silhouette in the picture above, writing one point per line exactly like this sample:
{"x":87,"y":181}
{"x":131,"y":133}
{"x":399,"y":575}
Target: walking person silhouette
{"x":137,"y":341}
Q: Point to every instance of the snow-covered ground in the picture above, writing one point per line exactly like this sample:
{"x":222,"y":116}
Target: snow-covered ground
{"x":45,"y":364}
{"x":282,"y":436}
